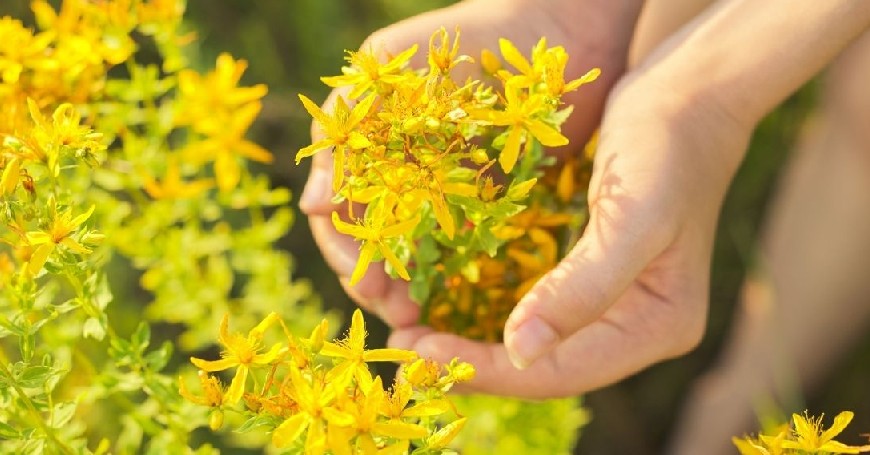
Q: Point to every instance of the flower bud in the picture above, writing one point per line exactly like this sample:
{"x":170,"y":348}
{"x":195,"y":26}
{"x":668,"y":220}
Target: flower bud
{"x":216,"y":420}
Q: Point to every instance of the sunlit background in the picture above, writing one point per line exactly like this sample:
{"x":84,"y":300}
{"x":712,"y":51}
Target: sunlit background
{"x":289,"y":44}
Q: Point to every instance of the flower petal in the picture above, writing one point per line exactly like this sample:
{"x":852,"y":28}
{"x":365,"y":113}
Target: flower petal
{"x":400,"y":430}
{"x":253,"y":151}
{"x":305,"y":152}
{"x":214,"y":365}
{"x":513,"y":56}
{"x":268,"y":321}
{"x":237,"y":387}
{"x":354,"y":230}
{"x":366,"y":254}
{"x":400,"y":228}
{"x":315,"y":111}
{"x":77,"y":221}
{"x":360,"y":111}
{"x":394,"y":261}
{"x":590,"y":76}
{"x":546,"y":134}
{"x":337,"y":167}
{"x":269,"y":356}
{"x":389,"y":355}
{"x":442,"y":214}
{"x":38,"y":257}
{"x":511,"y":151}
{"x":331,"y":349}
{"x":290,"y":430}
{"x":75,"y":246}
{"x":840,"y":423}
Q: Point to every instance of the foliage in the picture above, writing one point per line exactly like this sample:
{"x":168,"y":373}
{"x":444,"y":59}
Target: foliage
{"x":806,"y":436}
{"x":108,"y":164}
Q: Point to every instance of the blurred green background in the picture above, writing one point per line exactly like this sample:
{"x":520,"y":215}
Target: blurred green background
{"x":289,"y":44}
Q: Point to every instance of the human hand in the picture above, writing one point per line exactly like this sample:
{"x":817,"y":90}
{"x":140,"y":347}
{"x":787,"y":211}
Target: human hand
{"x":596,"y":33}
{"x":633,"y":291}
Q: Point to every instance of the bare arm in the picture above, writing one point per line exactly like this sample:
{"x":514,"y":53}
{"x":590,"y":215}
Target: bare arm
{"x":749,"y":55}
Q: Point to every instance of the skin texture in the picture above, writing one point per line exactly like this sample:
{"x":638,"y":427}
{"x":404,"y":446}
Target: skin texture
{"x":633,"y":291}
{"x":809,"y":300}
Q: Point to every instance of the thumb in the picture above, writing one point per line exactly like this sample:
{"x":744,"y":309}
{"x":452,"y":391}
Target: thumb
{"x":600,"y":267}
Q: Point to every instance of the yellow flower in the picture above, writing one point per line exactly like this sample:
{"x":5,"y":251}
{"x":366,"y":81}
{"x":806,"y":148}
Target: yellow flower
{"x":553,"y":63}
{"x":530,"y":74}
{"x":374,"y":235}
{"x":429,"y":185}
{"x":489,"y":61}
{"x":229,"y":142}
{"x":362,"y":415}
{"x":518,"y":116}
{"x":443,"y":436}
{"x":340,"y":132}
{"x":763,"y":445}
{"x":64,"y":132}
{"x":812,"y":438}
{"x":365,"y":70}
{"x":173,"y":187}
{"x":443,"y":57}
{"x":10,"y":175}
{"x":313,"y":399}
{"x":208,"y":101}
{"x":58,"y":232}
{"x":213,"y":395}
{"x":353,"y":350}
{"x":395,"y":407}
{"x":242,"y":352}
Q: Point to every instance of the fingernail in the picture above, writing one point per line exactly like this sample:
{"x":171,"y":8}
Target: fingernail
{"x":317,"y":191}
{"x":529,"y":341}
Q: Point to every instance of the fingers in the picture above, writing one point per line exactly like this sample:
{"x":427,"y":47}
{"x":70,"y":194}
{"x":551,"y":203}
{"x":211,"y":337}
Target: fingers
{"x":603,"y":352}
{"x":615,"y":248}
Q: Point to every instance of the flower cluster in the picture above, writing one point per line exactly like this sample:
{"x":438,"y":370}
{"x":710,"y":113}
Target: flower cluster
{"x":806,"y":436}
{"x":119,"y":163}
{"x":450,"y":173}
{"x":319,"y":396}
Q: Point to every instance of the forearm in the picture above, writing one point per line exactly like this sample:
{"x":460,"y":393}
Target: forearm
{"x":659,"y":20}
{"x":746,"y":56}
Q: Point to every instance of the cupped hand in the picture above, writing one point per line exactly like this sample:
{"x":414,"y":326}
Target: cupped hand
{"x":633,"y":291}
{"x":595,"y":34}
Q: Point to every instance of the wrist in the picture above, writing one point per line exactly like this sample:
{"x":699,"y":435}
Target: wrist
{"x":693,"y":122}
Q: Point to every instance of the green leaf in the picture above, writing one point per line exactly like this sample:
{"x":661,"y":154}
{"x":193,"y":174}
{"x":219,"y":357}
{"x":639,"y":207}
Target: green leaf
{"x":156,"y":360}
{"x":34,"y":376}
{"x":8,"y":432}
{"x":27,"y":345}
{"x":559,"y":117}
{"x":486,"y":239}
{"x":103,"y":295}
{"x":141,"y":337}
{"x":262,"y":420}
{"x":62,"y":414}
{"x":94,"y":328}
{"x":519,"y":190}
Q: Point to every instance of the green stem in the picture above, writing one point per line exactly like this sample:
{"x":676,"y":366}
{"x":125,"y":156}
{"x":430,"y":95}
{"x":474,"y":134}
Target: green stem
{"x":64,"y":448}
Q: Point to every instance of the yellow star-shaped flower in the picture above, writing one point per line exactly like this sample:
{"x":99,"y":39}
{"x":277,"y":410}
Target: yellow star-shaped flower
{"x":241,"y":352}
